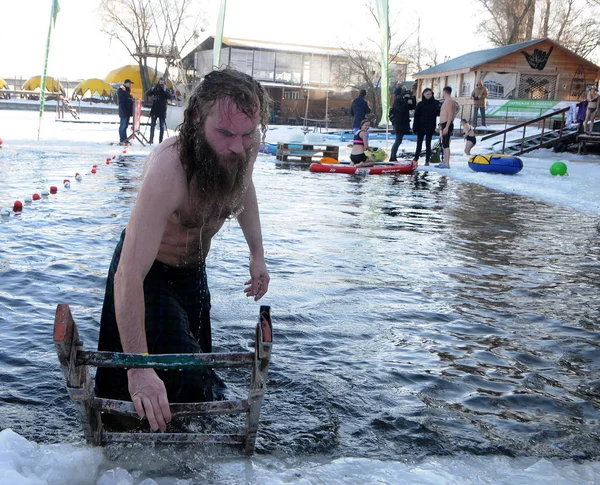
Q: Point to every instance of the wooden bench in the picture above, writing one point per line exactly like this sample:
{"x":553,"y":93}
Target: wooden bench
{"x":306,"y":152}
{"x":75,"y":363}
{"x":585,"y":139}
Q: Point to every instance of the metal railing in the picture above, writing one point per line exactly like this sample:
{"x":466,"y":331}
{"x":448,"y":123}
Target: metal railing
{"x":524,"y":125}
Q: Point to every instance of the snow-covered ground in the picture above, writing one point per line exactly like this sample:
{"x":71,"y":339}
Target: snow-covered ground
{"x":579,"y":190}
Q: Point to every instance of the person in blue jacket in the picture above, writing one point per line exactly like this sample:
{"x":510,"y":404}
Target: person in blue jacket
{"x":125,"y":108}
{"x":359,"y":110}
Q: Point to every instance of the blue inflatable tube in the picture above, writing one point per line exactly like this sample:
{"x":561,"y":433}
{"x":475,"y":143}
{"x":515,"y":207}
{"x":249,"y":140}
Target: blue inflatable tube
{"x":496,"y":163}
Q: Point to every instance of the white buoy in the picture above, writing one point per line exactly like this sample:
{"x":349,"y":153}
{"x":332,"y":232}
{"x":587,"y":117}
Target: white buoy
{"x":67,"y":185}
{"x":27,"y":199}
{"x":5,"y":212}
{"x":78,"y":177}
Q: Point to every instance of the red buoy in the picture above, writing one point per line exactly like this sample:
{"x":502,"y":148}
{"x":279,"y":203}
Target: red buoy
{"x":114,"y":156}
{"x":124,"y":151}
{"x":53,"y":189}
{"x":108,"y":161}
{"x":35,"y":196}
{"x":93,"y":170}
{"x":18,"y":206}
{"x":65,"y":181}
{"x":94,"y":166}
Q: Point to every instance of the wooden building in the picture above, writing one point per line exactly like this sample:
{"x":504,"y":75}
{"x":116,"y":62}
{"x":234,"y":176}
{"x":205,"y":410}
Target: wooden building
{"x":303,"y":81}
{"x":538,"y":71}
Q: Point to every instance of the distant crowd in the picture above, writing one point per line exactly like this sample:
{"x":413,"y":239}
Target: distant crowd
{"x":425,"y":123}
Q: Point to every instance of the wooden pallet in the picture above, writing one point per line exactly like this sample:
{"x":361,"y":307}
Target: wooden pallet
{"x":75,"y":363}
{"x":587,"y":139}
{"x":306,"y":152}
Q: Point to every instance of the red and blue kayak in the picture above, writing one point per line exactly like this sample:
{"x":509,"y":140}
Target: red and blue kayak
{"x":390,"y":168}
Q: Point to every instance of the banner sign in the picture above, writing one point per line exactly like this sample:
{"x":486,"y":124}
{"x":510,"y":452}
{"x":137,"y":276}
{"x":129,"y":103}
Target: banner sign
{"x":524,"y":108}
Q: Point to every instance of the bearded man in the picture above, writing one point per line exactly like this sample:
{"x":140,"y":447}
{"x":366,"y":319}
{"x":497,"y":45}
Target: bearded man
{"x":157,"y":299}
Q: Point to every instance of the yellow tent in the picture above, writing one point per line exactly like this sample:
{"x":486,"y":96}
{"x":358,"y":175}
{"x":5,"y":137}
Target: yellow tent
{"x":52,"y":85}
{"x":3,"y":84}
{"x":94,"y":86}
{"x":132,"y":72}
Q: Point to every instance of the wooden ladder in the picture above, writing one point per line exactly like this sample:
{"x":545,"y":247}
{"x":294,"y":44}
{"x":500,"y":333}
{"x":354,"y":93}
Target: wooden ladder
{"x":75,"y":363}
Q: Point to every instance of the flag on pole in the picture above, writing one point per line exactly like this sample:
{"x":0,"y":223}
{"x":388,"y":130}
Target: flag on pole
{"x":55,"y":10}
{"x":53,"y":14}
{"x":219,"y":35}
{"x":384,"y":30}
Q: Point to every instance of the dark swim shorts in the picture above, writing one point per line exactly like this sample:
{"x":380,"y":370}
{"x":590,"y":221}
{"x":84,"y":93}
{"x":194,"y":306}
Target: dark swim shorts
{"x":177,"y":303}
{"x":446,"y":137}
{"x":356,"y":159}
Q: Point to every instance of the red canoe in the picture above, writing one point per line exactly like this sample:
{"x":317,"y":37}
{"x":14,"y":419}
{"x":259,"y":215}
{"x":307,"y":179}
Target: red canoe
{"x":403,"y":166}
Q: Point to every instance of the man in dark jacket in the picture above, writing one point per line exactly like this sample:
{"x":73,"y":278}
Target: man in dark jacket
{"x":359,"y":110}
{"x":404,"y":103}
{"x":125,"y":108}
{"x":159,"y":108}
{"x":425,"y":122}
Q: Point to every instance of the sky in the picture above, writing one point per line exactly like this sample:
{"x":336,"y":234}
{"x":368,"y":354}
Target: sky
{"x":80,"y":50}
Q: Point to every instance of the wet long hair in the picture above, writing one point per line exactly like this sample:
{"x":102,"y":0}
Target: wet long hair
{"x":246,"y":94}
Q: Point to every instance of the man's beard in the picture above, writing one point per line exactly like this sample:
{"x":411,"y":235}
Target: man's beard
{"x":219,"y":179}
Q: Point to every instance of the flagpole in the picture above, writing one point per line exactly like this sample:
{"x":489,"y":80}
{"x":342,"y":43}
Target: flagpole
{"x":219,"y":35}
{"x":384,"y":30}
{"x":43,"y":81}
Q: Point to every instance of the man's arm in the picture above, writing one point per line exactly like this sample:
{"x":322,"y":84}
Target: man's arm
{"x":249,"y":221}
{"x":158,"y":198}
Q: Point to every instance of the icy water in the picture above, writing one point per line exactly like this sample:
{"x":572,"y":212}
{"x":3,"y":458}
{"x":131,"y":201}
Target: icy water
{"x":414,"y":316}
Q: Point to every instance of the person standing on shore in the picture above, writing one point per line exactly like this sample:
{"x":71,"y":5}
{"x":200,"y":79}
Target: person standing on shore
{"x":404,"y":103}
{"x":359,"y":110}
{"x":447,"y":115}
{"x":479,"y":96}
{"x":424,"y":123}
{"x":125,"y":109}
{"x":159,"y":109}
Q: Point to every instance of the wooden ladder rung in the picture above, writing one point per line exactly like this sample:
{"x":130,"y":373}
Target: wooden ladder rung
{"x":126,"y":408}
{"x":164,"y":361}
{"x":226,"y":439}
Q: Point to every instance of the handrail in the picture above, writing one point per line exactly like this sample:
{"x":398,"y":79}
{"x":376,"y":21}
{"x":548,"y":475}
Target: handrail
{"x":527,"y":123}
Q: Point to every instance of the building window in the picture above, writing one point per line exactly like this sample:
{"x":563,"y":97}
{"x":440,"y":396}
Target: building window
{"x":291,"y":95}
{"x":495,"y":90}
{"x":288,"y":67}
{"x":264,"y":65}
{"x":537,"y":87}
{"x":466,"y":89}
{"x":241,"y":60}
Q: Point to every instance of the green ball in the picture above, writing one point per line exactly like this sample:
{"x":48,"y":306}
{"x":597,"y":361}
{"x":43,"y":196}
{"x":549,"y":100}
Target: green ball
{"x":558,"y":168}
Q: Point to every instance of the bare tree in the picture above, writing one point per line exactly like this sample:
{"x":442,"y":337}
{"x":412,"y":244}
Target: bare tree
{"x":511,"y":20}
{"x":422,"y":54}
{"x":365,"y":65}
{"x":150,"y":29}
{"x":575,"y":24}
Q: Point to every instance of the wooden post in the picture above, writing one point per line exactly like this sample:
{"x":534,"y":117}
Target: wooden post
{"x":258,"y":381}
{"x":79,"y":382}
